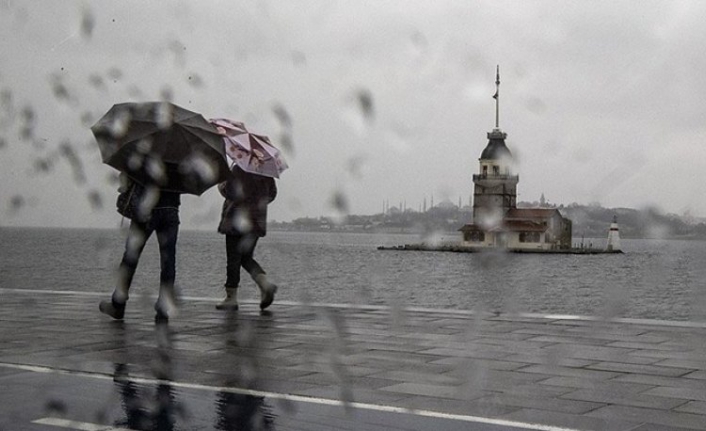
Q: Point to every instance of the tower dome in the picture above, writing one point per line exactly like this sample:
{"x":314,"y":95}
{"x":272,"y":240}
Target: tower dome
{"x":496,"y":148}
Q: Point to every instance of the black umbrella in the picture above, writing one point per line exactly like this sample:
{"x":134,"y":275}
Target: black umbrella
{"x":162,"y":144}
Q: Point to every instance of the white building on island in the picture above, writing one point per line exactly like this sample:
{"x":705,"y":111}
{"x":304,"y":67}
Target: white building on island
{"x":497,"y":222}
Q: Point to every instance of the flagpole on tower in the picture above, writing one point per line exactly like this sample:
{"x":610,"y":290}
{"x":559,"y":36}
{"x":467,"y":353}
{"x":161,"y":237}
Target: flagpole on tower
{"x":496,"y":96}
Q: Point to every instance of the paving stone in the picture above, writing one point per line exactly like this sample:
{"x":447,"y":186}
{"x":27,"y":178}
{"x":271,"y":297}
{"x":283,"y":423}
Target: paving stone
{"x":696,"y":364}
{"x":698,"y":407}
{"x":568,"y":339}
{"x":606,"y":386}
{"x":644,"y":345}
{"x":680,"y":393}
{"x":601,"y":353}
{"x":480,"y":363}
{"x":550,"y":358}
{"x":440,"y":391}
{"x":540,"y":402}
{"x":451,"y":406}
{"x":700,"y":375}
{"x":640,"y":369}
{"x":672,"y":382}
{"x":578,"y":422}
{"x":567,"y":371}
{"x":643,"y":415}
{"x":416,"y":377}
{"x":623,"y":398}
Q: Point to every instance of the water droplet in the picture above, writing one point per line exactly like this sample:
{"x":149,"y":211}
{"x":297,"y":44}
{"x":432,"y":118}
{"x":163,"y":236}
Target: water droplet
{"x":355,"y":164}
{"x":60,"y":90}
{"x":365,"y":101}
{"x":87,"y":23}
{"x":195,"y":80}
{"x":56,"y":406}
{"x":359,"y":110}
{"x":339,"y":202}
{"x":115,"y":73}
{"x":16,"y":203}
{"x":87,"y":119}
{"x":96,"y":81}
{"x":281,"y":114}
{"x":43,"y":165}
{"x":164,"y":115}
{"x":199,"y":169}
{"x":67,"y":151}
{"x":94,"y":198}
{"x":156,"y":170}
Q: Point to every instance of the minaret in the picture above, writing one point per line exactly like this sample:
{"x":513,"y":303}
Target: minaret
{"x":613,"y":236}
{"x":495,"y":190}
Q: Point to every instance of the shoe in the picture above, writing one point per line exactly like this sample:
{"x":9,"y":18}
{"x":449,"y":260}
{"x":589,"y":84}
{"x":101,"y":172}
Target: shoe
{"x":160,"y":316}
{"x":164,"y":308}
{"x":267,"y":291}
{"x":231,"y":301}
{"x":112,"y":309}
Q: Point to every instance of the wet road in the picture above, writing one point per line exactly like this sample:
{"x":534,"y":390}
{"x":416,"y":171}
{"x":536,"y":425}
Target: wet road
{"x":320,"y":367}
{"x":38,"y":398}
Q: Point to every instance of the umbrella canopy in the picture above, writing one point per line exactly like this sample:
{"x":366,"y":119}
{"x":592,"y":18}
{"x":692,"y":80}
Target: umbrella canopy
{"x":252,"y":152}
{"x":162,"y":144}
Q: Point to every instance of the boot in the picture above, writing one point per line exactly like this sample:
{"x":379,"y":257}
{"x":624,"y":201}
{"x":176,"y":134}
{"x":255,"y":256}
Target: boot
{"x":166,"y":305}
{"x":267,"y":291}
{"x":112,"y":309}
{"x":231,"y":301}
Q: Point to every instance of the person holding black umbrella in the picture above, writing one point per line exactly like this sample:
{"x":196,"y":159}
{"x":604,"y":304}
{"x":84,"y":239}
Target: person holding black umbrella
{"x":162,"y":151}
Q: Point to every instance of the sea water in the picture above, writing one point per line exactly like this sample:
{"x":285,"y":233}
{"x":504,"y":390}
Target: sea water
{"x":655,"y":279}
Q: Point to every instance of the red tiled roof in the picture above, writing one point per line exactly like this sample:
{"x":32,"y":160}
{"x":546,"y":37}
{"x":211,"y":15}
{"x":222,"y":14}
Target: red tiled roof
{"x":524,"y":226}
{"x":531,"y":213}
{"x":509,"y":226}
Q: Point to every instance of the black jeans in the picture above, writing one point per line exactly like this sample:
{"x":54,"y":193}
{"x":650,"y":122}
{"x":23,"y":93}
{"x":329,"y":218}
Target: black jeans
{"x":165,"y":222}
{"x":239,"y":253}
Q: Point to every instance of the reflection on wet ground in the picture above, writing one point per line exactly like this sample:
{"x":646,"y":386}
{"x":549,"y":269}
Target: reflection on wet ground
{"x":157,"y":407}
{"x":307,"y":367}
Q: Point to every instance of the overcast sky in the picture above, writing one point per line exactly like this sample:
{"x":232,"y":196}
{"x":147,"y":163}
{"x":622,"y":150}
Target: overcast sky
{"x":371,"y":100}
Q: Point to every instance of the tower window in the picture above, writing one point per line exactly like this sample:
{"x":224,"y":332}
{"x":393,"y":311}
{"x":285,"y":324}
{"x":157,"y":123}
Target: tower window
{"x":496,"y":170}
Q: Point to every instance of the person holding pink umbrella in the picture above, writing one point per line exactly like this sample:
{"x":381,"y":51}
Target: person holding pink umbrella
{"x":248,"y":191}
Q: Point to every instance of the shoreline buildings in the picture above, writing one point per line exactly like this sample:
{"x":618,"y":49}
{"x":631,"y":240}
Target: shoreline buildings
{"x":497,"y":222}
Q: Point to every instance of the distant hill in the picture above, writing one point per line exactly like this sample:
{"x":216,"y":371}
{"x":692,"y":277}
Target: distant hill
{"x":589,"y":221}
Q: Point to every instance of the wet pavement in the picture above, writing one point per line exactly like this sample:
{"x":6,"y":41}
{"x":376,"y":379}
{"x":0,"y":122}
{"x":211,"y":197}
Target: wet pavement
{"x":63,"y":365}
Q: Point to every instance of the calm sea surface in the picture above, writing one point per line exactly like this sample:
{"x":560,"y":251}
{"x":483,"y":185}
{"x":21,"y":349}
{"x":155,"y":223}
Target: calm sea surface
{"x":653,"y":279}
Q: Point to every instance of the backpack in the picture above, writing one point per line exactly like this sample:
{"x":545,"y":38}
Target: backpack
{"x":129,"y":200}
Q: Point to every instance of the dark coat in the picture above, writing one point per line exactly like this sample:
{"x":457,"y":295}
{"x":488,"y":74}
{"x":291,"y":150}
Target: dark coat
{"x":245,"y":208}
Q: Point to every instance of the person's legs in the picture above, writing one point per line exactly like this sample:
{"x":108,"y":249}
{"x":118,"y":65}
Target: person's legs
{"x":138,"y":234}
{"x":166,"y":224}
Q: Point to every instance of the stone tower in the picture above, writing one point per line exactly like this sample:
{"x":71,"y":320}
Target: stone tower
{"x":495,"y":190}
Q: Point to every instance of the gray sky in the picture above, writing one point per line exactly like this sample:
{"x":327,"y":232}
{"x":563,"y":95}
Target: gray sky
{"x":602,"y":101}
